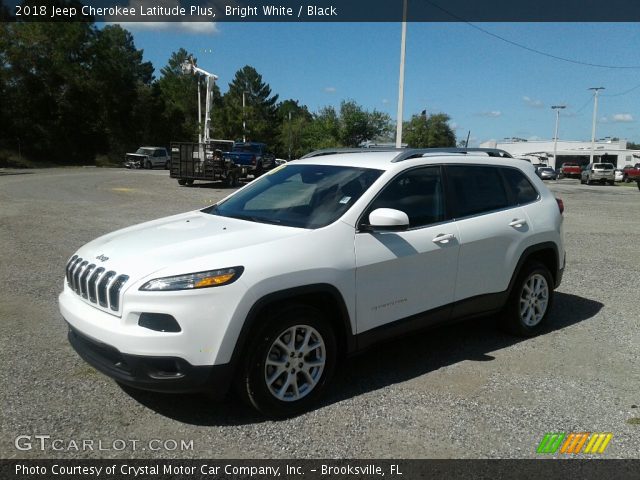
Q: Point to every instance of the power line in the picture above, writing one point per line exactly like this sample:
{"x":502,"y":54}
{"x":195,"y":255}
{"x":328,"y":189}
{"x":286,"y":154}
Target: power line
{"x":622,"y":93}
{"x":533,"y":50}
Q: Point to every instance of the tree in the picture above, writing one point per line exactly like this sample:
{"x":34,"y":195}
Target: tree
{"x":259,"y":112}
{"x":48,"y":94}
{"x":294,"y":121}
{"x":120,"y":75}
{"x":324,"y":131}
{"x":358,"y":125}
{"x":428,"y":132}
{"x":180,"y":93}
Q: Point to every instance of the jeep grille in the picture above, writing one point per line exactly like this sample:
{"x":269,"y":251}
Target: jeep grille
{"x":95,"y":285}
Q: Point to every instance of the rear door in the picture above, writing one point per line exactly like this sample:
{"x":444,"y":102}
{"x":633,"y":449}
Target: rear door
{"x":493,"y":230}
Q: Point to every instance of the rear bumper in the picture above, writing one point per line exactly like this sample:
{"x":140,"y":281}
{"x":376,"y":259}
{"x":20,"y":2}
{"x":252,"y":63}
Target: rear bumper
{"x":160,"y":374}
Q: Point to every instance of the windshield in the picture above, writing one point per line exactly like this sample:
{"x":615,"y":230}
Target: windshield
{"x":305,"y":196}
{"x":144,"y":151}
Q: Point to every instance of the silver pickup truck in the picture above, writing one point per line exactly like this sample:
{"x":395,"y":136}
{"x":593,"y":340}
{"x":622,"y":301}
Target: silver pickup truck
{"x":148,"y":157}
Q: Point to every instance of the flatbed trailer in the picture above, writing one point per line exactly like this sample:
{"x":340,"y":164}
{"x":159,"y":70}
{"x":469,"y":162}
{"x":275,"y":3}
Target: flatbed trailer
{"x":204,"y":162}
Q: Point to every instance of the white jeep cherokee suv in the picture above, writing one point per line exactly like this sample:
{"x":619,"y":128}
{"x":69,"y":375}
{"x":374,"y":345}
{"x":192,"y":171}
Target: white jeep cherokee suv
{"x":318,"y":259}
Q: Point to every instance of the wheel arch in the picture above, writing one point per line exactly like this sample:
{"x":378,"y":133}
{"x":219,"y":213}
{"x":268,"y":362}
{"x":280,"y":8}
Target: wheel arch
{"x":324,"y":297}
{"x":545,"y":253}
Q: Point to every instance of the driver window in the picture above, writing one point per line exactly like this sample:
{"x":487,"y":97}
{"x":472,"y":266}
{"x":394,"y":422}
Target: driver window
{"x":418,"y":193}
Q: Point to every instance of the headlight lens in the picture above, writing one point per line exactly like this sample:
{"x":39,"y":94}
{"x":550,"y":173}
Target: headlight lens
{"x":190,"y":281}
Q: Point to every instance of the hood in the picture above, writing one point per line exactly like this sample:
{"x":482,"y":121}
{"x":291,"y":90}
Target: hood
{"x":193,"y":237}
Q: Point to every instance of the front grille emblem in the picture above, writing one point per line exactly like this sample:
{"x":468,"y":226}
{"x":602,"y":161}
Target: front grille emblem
{"x":102,"y":258}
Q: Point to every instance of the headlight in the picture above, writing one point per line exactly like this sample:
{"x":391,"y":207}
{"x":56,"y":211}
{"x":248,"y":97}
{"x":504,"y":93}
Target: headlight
{"x":210,"y":278}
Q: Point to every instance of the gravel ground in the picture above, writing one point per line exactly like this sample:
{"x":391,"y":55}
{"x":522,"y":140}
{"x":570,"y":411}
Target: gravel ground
{"x":467,"y":391}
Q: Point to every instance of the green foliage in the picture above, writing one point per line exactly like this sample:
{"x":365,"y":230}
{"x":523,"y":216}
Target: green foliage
{"x":75,"y":94}
{"x":358,"y":125}
{"x":428,"y":132}
{"x":259,"y":112}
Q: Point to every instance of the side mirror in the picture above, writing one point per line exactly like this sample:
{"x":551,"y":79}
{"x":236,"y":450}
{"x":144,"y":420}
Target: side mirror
{"x":388,"y":219}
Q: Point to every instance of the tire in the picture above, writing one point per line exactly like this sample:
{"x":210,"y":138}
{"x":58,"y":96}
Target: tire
{"x":270,"y":381}
{"x":167,"y":165}
{"x":611,"y":182}
{"x":530,"y":301}
{"x":258,"y":171}
{"x":638,"y":183}
{"x":189,"y":183}
{"x":148,"y":165}
{"x":182,"y":181}
{"x":626,"y":179}
{"x":582,"y":181}
{"x":231,"y":180}
{"x":588,"y":181}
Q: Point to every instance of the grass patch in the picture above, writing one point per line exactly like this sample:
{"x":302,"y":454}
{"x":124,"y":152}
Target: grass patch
{"x":634,"y":421}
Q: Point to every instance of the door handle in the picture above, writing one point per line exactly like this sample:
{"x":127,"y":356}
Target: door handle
{"x":443,"y":238}
{"x":517,"y":223}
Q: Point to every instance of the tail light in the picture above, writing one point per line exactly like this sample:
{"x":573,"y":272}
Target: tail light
{"x":560,"y":205}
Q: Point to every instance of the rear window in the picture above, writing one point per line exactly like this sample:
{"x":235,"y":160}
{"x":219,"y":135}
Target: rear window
{"x":603,"y":166}
{"x":521,"y":188}
{"x":476,"y":189}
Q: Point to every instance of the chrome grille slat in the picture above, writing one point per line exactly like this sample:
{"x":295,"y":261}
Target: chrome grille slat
{"x":102,"y":288}
{"x":76,"y":275}
{"x":68,"y":268}
{"x":72,"y":271}
{"x":83,"y":280}
{"x":114,"y":292}
{"x":94,"y":284}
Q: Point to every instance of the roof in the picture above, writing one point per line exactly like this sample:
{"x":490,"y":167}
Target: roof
{"x":386,"y":158}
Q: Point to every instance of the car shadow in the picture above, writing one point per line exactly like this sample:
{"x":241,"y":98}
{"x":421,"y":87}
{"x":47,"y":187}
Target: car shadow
{"x":393,"y":362}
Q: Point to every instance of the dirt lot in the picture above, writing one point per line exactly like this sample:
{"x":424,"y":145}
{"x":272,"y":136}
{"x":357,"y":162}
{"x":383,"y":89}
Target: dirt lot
{"x":462,"y":391}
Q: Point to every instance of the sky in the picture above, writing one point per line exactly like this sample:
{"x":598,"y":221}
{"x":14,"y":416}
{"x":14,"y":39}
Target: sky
{"x":487,"y":85}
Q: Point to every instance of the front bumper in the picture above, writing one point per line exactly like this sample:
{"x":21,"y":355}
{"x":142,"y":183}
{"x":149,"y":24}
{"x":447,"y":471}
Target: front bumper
{"x":160,"y":374}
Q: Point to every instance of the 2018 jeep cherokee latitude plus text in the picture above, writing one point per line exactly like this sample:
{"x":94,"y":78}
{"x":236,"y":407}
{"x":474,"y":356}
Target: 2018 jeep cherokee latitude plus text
{"x":318,"y":259}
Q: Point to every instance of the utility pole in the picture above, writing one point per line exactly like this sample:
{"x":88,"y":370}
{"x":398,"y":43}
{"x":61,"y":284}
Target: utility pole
{"x":403,"y":43}
{"x":244,"y":117}
{"x":290,"y":136}
{"x":557,"y":108}
{"x":593,"y":124}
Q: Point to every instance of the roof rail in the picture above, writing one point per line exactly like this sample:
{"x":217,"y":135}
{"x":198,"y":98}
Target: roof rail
{"x":420,"y":152}
{"x":335,"y":151}
{"x":408,"y":153}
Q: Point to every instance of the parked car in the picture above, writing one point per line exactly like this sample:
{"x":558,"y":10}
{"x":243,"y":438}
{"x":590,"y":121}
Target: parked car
{"x":546,"y":173}
{"x":619,"y":175}
{"x":148,"y":157}
{"x":571,"y":170}
{"x":324,"y":257}
{"x":631,"y":173}
{"x":598,"y":172}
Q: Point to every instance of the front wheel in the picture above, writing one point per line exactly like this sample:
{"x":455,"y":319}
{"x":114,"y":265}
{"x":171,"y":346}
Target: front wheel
{"x":290,"y":362}
{"x":530,"y":301}
{"x":182,"y":181}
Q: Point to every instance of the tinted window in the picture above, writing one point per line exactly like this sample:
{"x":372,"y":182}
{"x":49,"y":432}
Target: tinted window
{"x":521,"y":188}
{"x":418,"y":193}
{"x":476,"y":189}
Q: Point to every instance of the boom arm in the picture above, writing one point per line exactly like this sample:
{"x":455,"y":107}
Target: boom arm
{"x":190,"y":67}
